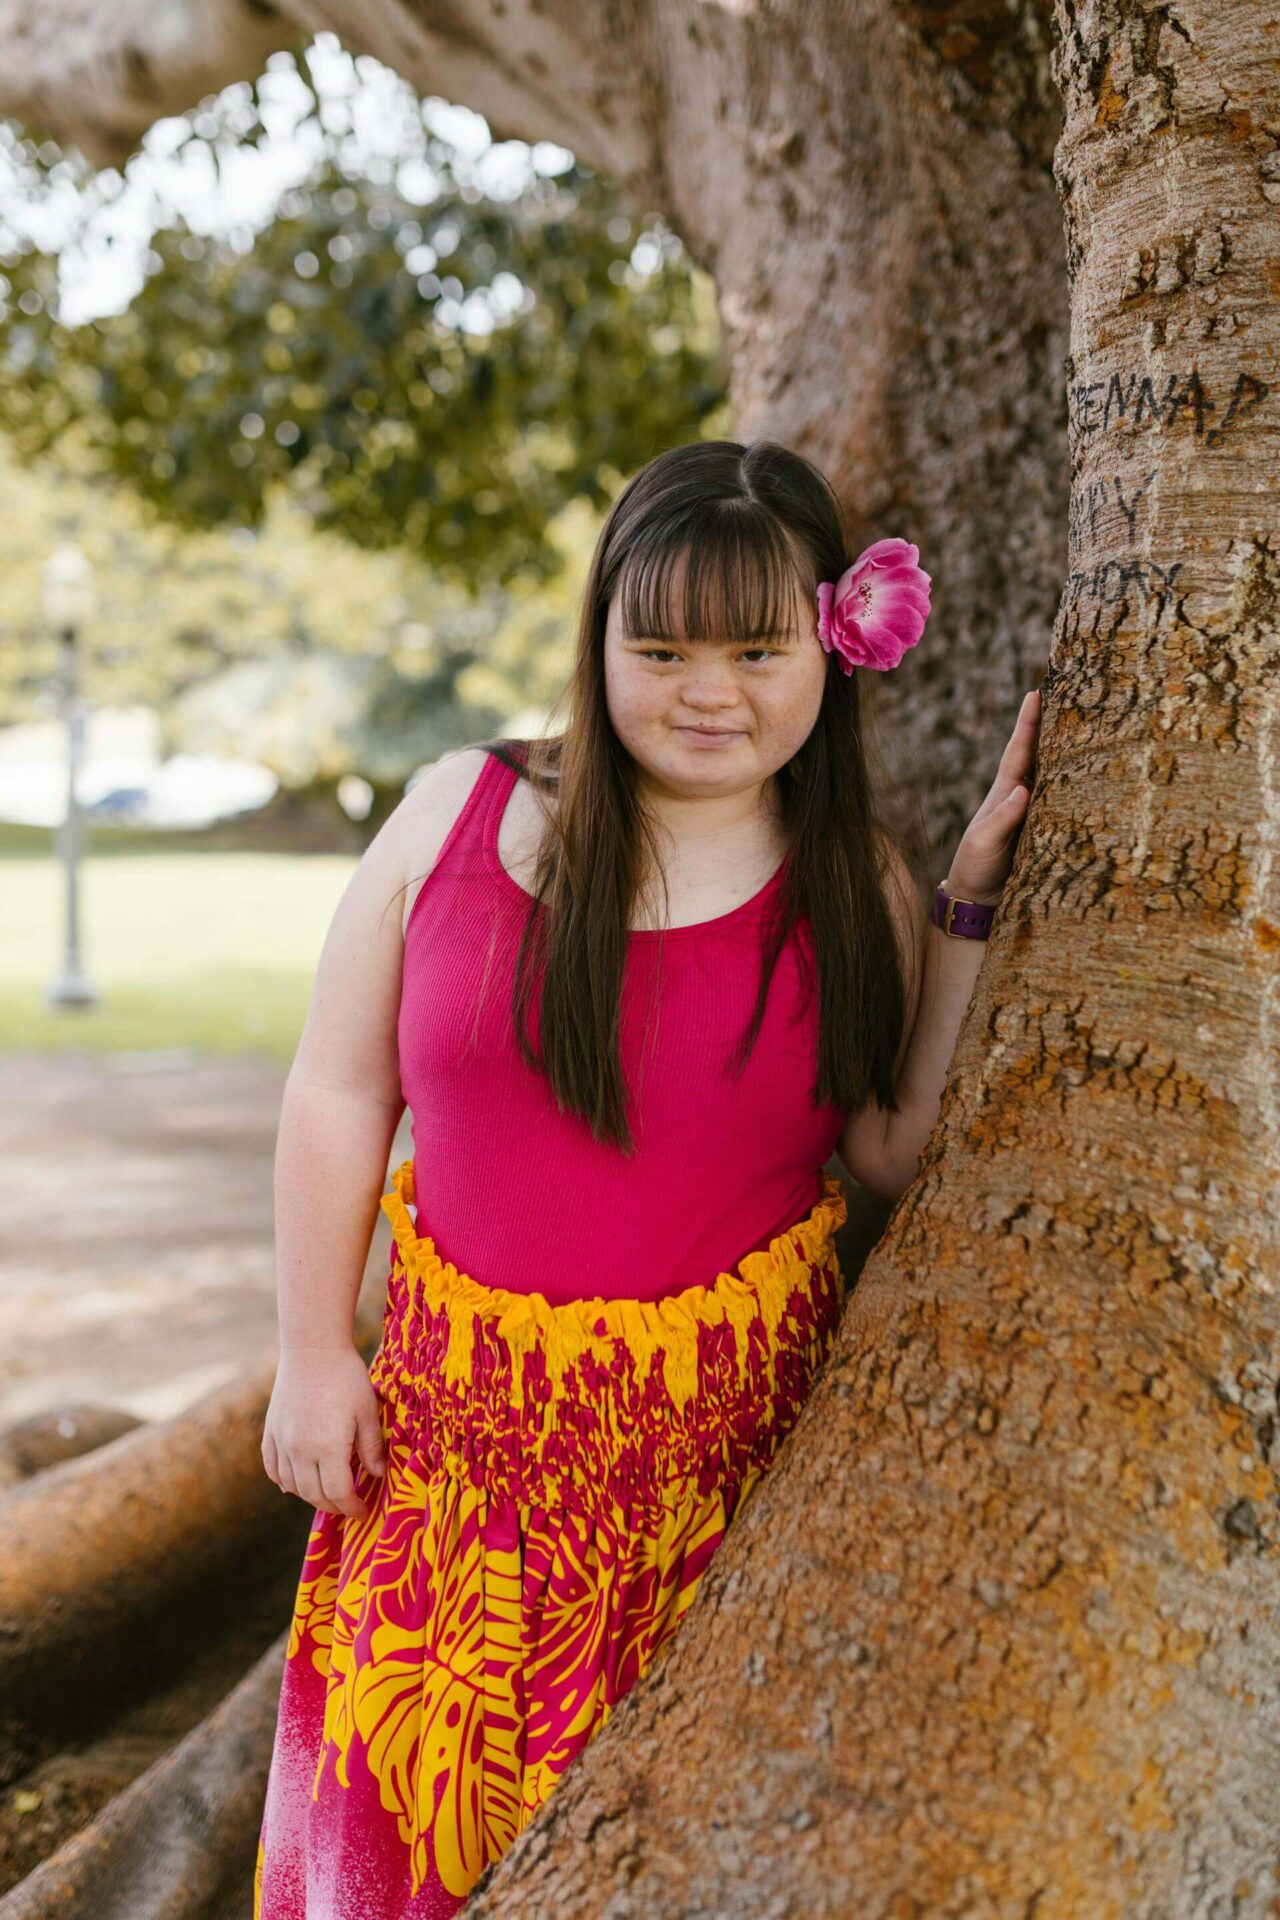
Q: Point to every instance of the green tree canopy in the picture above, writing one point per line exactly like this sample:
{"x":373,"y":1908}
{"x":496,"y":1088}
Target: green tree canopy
{"x":340,"y":478}
{"x":291,"y":646}
{"x":442,"y":372}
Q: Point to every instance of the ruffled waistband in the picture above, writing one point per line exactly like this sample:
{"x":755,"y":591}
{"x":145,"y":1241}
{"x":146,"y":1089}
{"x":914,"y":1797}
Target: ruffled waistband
{"x":620,"y":1397}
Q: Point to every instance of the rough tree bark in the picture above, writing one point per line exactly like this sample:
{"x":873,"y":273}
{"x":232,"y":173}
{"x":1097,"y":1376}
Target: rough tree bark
{"x":998,"y":1635}
{"x":1003,"y":1638}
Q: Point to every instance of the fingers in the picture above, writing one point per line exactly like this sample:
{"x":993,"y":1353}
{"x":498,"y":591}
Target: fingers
{"x":1017,"y":762}
{"x":314,"y":1459}
{"x":299,"y":1477}
{"x":1014,"y":803}
{"x":337,"y":1488}
{"x":1000,"y":796}
{"x":998,"y":820}
{"x":1022,"y":740}
{"x":325,"y":1482}
{"x":308,"y":1487}
{"x":1018,"y":759}
{"x":369,"y":1439}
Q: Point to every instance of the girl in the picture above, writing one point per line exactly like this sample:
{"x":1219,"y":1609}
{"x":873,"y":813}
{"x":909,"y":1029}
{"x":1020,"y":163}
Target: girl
{"x":649,"y":974}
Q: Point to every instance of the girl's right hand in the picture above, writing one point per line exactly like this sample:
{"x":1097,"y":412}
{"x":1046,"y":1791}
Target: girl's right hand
{"x":323,"y":1406}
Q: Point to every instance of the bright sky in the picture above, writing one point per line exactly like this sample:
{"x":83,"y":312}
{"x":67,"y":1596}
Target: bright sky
{"x":102,"y":232}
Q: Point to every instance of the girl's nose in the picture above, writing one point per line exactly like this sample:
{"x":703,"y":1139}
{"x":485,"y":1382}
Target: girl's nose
{"x":712,"y":686}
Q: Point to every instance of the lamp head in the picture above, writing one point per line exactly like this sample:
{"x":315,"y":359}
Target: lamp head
{"x":68,"y":586}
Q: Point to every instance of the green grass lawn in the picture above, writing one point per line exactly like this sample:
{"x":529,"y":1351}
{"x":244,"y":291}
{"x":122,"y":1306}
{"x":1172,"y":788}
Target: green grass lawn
{"x":214,"y":951}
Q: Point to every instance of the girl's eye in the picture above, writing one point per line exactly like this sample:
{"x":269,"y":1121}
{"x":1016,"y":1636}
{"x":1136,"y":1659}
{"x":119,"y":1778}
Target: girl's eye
{"x":667,"y":653}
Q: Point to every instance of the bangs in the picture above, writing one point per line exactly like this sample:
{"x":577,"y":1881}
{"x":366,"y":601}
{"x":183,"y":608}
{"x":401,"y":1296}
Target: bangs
{"x":740,"y":584}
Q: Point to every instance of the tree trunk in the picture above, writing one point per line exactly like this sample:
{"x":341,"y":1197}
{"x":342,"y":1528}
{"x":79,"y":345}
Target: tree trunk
{"x":179,"y":1842}
{"x":998,"y":1633}
{"x":1002,"y":1635}
{"x":98,"y":75}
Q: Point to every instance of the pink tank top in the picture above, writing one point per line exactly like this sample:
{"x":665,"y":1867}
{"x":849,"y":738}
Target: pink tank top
{"x":519,"y":1195}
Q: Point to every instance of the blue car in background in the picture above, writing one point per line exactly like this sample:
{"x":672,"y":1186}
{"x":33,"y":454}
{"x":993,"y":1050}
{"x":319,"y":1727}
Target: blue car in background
{"x":118,"y":803}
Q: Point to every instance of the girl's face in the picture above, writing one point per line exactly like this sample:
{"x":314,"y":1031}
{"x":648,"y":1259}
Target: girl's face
{"x":712,"y":716}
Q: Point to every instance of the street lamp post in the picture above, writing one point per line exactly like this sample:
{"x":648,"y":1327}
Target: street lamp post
{"x":69,"y":601}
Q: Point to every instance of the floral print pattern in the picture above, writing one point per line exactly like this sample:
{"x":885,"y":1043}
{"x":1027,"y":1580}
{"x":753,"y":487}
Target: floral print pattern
{"x":558,"y":1478}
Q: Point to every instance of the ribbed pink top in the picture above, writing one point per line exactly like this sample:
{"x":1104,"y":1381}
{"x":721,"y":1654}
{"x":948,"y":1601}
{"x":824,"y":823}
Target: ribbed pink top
{"x":519,"y":1195}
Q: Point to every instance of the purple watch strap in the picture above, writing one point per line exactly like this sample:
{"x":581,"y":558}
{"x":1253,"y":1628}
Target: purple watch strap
{"x":971,"y":918}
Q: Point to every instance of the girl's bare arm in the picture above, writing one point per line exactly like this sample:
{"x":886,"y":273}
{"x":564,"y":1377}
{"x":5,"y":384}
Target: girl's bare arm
{"x":342,"y":1101}
{"x":342,"y":1104}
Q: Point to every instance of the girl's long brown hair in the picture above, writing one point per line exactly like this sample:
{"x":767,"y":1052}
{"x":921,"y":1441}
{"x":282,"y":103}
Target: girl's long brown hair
{"x":754,"y":520}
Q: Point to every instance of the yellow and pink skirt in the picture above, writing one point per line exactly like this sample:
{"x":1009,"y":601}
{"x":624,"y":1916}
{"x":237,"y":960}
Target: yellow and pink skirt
{"x":557,"y":1479}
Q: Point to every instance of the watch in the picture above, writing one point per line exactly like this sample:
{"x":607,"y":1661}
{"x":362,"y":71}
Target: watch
{"x":971,"y":919}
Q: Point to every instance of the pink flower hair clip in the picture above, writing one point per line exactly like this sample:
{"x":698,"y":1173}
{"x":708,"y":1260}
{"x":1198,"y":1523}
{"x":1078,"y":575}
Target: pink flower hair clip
{"x":877,"y":608}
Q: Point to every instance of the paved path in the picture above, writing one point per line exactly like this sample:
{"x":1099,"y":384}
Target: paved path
{"x":136,"y":1242}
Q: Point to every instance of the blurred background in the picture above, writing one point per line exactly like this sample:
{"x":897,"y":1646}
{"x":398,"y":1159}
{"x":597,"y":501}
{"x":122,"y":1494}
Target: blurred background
{"x":308,"y":421}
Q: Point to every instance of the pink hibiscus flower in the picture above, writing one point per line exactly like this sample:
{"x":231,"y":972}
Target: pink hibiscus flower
{"x":877,"y":608}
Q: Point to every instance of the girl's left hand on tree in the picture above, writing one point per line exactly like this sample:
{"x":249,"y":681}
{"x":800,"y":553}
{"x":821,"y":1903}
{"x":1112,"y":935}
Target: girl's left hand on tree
{"x":985,"y":854}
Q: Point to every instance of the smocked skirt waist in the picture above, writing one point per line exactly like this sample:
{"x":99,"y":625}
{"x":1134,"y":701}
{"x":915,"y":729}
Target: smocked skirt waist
{"x":591,"y":1405}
